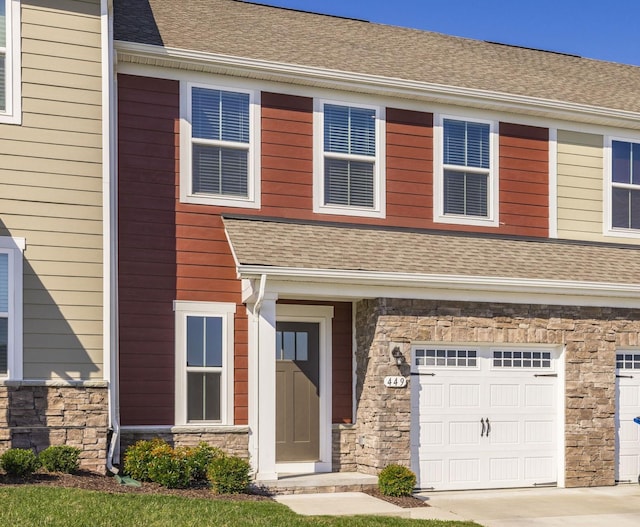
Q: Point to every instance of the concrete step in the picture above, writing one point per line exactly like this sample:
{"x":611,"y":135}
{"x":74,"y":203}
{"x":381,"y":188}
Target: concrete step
{"x":320,"y":483}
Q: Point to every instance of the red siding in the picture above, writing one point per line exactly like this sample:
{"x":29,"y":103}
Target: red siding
{"x":409,"y":160}
{"x":148,"y":119}
{"x":524,"y":180}
{"x":170,"y":250}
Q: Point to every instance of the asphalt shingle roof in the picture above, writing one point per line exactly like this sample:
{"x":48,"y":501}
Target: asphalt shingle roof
{"x":355,"y":248}
{"x":247,"y":30}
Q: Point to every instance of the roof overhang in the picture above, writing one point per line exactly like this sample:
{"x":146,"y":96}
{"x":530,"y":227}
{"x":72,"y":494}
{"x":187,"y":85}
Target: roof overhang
{"x":197,"y":61}
{"x":287,"y":283}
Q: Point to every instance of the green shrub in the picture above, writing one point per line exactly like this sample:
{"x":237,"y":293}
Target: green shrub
{"x":229,"y":475}
{"x":60,"y":459}
{"x":396,"y":480}
{"x":138,"y":456}
{"x":199,"y":459}
{"x":170,"y":468}
{"x":19,"y":462}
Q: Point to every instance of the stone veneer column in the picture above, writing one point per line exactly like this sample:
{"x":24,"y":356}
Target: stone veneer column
{"x":589,"y":337}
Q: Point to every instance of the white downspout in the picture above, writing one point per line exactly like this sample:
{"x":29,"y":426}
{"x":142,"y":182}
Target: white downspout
{"x":256,"y":320}
{"x":110,"y":233}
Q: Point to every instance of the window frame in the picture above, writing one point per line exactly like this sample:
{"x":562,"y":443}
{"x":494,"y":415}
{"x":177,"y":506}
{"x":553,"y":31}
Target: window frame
{"x":226,"y":311}
{"x":379,"y":184}
{"x":14,"y":248}
{"x":609,"y":229}
{"x":439,"y":216}
{"x":186,"y":143}
{"x":12,"y":114}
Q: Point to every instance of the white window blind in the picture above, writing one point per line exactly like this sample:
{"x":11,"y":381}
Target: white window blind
{"x":625,"y":180}
{"x":466,"y":160}
{"x":220,"y":136}
{"x":350,"y":151}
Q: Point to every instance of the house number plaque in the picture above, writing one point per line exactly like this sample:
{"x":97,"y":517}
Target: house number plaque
{"x":395,"y":381}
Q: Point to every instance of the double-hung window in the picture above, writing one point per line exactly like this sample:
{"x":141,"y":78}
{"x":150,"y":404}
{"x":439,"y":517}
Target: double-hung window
{"x":204,"y":362}
{"x":11,"y":307}
{"x":625,"y":185}
{"x":465,"y":181}
{"x":10,"y":61}
{"x":219,"y":167}
{"x":348,"y":170}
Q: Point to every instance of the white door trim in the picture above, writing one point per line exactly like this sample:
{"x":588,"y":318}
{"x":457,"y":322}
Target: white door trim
{"x":323,"y":316}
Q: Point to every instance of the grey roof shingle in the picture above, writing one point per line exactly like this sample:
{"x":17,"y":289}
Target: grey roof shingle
{"x":241,"y":29}
{"x":374,"y":249}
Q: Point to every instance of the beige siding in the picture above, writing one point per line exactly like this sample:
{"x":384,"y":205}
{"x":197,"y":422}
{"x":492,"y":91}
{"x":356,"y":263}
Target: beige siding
{"x":580,"y":180}
{"x":51,"y":189}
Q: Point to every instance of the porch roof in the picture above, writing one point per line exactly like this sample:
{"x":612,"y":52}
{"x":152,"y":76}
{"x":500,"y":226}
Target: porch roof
{"x":270,"y":244}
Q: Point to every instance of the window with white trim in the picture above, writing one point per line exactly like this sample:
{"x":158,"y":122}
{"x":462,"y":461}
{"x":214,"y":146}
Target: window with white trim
{"x":625,"y":185}
{"x":349,"y":177}
{"x":10,"y":61}
{"x":204,"y":362}
{"x":466,"y":185}
{"x":11,"y":307}
{"x":220,"y":165}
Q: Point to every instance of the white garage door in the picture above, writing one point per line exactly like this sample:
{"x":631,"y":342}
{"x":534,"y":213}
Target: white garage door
{"x":484,"y":417}
{"x":628,"y":407}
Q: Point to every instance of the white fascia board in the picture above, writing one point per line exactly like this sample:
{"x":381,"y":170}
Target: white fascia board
{"x":391,"y":86}
{"x":367,"y":284}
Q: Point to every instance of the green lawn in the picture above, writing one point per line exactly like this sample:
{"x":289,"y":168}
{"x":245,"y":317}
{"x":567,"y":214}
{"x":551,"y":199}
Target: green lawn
{"x":51,"y":506}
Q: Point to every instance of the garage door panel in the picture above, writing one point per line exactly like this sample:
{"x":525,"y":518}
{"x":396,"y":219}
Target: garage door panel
{"x":505,"y":469}
{"x":539,"y":395}
{"x":431,"y":434}
{"x":504,"y":432}
{"x":539,"y":432}
{"x":431,"y":396}
{"x":629,"y":395}
{"x":504,"y":395}
{"x":464,"y":432}
{"x":464,"y":471}
{"x":464,"y":396}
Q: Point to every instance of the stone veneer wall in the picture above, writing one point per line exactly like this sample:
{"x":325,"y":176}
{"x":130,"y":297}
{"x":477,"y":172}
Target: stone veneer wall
{"x":234,"y":440}
{"x":588,"y":335}
{"x":38,"y":414}
{"x":343,"y":442}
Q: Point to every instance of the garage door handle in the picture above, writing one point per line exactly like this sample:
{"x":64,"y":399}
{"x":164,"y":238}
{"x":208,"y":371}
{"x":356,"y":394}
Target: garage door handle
{"x":482,"y":433}
{"x":488,"y":427}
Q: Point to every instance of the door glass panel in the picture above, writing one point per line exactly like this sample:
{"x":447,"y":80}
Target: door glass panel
{"x":289,"y":345}
{"x":302,"y":346}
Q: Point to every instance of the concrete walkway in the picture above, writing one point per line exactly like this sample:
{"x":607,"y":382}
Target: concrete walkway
{"x":545,"y":507}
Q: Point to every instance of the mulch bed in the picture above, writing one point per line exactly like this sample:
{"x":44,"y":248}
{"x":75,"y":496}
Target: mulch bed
{"x":406,"y":502}
{"x":91,"y":481}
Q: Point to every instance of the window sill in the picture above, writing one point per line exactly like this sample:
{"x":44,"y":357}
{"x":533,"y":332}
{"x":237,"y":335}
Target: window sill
{"x":623,"y":233}
{"x":467,"y":220}
{"x":338,"y":210}
{"x":220,"y":201}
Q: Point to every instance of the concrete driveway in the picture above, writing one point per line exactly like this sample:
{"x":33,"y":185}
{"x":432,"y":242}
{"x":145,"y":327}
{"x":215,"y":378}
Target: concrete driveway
{"x":617,"y":506}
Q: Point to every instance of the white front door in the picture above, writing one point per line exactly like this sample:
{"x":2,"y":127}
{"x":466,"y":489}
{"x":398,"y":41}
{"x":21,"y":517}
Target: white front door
{"x":627,"y":407}
{"x":484,"y":417}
